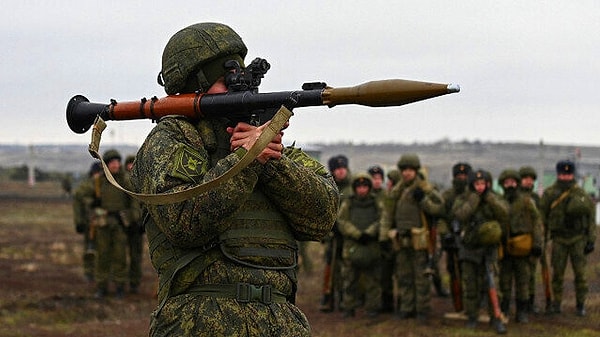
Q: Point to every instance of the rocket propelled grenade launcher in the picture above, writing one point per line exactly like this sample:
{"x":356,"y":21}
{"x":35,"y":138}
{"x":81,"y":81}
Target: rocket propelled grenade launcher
{"x":243,"y":102}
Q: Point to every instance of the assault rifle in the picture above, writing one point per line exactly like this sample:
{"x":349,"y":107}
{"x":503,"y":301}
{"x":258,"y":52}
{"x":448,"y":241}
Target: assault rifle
{"x":546,"y":277}
{"x":243,"y":102}
{"x":454,"y":267}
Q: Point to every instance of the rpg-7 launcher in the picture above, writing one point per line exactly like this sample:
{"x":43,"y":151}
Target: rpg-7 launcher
{"x":243,"y":102}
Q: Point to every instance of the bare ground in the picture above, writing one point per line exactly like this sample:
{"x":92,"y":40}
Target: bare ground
{"x":43,"y":292}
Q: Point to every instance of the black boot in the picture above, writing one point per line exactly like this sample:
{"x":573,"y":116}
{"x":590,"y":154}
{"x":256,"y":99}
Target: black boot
{"x":472,"y":322}
{"x":532,"y":307}
{"x":556,"y":307}
{"x":326,"y":303}
{"x":505,"y":306}
{"x":499,"y":326}
{"x":439,"y":288}
{"x":522,"y":309}
{"x":581,"y":310}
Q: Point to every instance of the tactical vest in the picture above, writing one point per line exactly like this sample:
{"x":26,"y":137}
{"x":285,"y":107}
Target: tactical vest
{"x":363,"y":212}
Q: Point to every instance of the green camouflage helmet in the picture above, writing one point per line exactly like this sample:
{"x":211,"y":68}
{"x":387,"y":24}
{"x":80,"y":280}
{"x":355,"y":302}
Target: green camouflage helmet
{"x":409,"y":160}
{"x":110,"y":155}
{"x":193,"y":58}
{"x":362,"y":179}
{"x":528,"y":171}
{"x":489,"y":233}
{"x":509,"y":173}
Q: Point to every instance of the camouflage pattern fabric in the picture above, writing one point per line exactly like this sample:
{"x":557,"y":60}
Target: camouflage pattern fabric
{"x":570,"y":227}
{"x":82,"y":208}
{"x":298,"y":200}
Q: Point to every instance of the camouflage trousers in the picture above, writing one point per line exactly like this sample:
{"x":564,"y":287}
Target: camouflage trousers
{"x":111,"y":258}
{"x":359,"y":282}
{"x":475,"y":285}
{"x":198,"y":315}
{"x":413,"y":284}
{"x":135,"y":243}
{"x":517,"y":270}
{"x":563,"y":251}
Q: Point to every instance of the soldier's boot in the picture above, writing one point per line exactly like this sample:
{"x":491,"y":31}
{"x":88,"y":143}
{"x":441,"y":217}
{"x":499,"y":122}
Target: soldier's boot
{"x":120,"y":291}
{"x":522,"y":310}
{"x":472,"y":322}
{"x":581,"y":310}
{"x":505,"y":306}
{"x":532,"y":307}
{"x":439,"y":288}
{"x":499,"y":326}
{"x":387,"y":303}
{"x":349,"y":313}
{"x":556,"y":307}
{"x":326,"y":303}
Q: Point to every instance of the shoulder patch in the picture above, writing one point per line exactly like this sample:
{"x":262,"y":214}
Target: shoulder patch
{"x":189,"y":164}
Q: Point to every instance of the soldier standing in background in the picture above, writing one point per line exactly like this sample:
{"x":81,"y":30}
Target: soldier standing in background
{"x":528,"y":177}
{"x":83,"y":207}
{"x":460,"y":177}
{"x":377,"y":177}
{"x":569,"y":215}
{"x":114,"y":211}
{"x":135,"y":242}
{"x":332,"y":277}
{"x":523,"y":239}
{"x":480,"y":212}
{"x":405,"y":220}
{"x":226,"y":258}
{"x":358,"y":222}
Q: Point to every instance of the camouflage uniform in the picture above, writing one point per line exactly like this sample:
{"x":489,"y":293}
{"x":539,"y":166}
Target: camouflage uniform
{"x":569,"y":216}
{"x":83,"y":200}
{"x":473,"y":211}
{"x":358,"y":221}
{"x":523,"y":218}
{"x":113,"y":213}
{"x":135,"y":245}
{"x":403,"y":211}
{"x":226,"y":259}
{"x":334,"y":243}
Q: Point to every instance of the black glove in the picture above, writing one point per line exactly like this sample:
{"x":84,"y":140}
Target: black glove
{"x":364,"y":238}
{"x":536,"y":251}
{"x":418,"y":194}
{"x":448,"y":242}
{"x":385,"y":246}
{"x":80,"y":228}
{"x":589,"y":247}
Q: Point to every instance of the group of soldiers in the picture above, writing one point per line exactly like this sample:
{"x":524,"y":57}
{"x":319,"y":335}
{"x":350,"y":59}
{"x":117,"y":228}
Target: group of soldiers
{"x":109,"y":221}
{"x":385,"y":247}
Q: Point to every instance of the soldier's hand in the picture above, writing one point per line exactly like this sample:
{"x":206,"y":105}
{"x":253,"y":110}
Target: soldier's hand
{"x":80,"y":228}
{"x":364,"y":238}
{"x":589,"y":247}
{"x":245,"y":135}
{"x":418,"y":194}
{"x":448,"y":242}
{"x":536,"y":251}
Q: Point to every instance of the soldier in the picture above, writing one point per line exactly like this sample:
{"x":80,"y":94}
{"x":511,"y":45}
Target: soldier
{"x":332,"y":277}
{"x":523,"y":239}
{"x":83,"y":200}
{"x":226,"y":258}
{"x":135,"y":240}
{"x":358,"y":222}
{"x":569,"y":215}
{"x":460,"y":177}
{"x":528,"y":177}
{"x":114,"y":211}
{"x":405,"y":220}
{"x":480,"y":213}
{"x":377,"y":177}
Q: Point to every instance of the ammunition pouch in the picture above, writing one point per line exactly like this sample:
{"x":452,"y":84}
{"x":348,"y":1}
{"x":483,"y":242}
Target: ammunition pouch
{"x":519,"y":245}
{"x":99,"y":217}
{"x":419,"y":238}
{"x":363,"y":255}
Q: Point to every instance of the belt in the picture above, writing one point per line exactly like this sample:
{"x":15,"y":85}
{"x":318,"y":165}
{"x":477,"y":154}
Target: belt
{"x":241,"y":292}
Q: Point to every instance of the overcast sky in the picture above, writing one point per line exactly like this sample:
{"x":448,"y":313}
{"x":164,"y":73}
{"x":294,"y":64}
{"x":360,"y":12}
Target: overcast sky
{"x":528,"y":70}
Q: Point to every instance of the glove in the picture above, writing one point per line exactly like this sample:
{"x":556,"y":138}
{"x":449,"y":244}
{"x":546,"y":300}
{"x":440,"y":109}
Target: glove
{"x":589,"y":247}
{"x":80,"y":228}
{"x":385,"y":246}
{"x":364,"y":238}
{"x":536,"y":251}
{"x":418,"y":194}
{"x":448,"y":242}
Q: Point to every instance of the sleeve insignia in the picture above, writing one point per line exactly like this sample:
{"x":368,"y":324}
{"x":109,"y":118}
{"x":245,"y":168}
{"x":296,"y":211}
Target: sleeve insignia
{"x":189,"y":164}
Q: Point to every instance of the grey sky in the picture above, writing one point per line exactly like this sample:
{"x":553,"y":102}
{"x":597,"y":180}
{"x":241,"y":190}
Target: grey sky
{"x":527,"y":69}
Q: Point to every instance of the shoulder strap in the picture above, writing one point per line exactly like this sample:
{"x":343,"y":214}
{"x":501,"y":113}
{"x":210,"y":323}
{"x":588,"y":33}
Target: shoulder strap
{"x":560,"y":198}
{"x":278,"y":121}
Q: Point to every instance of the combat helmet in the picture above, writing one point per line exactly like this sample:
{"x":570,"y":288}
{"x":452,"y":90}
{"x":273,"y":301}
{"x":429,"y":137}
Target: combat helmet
{"x":193,"y":58}
{"x":509,"y":173}
{"x":409,"y":160}
{"x":362,"y":179}
{"x":110,"y":155}
{"x":528,"y":171}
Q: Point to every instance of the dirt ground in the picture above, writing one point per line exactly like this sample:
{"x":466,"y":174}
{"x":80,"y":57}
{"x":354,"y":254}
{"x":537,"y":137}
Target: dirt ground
{"x":43,"y":292}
